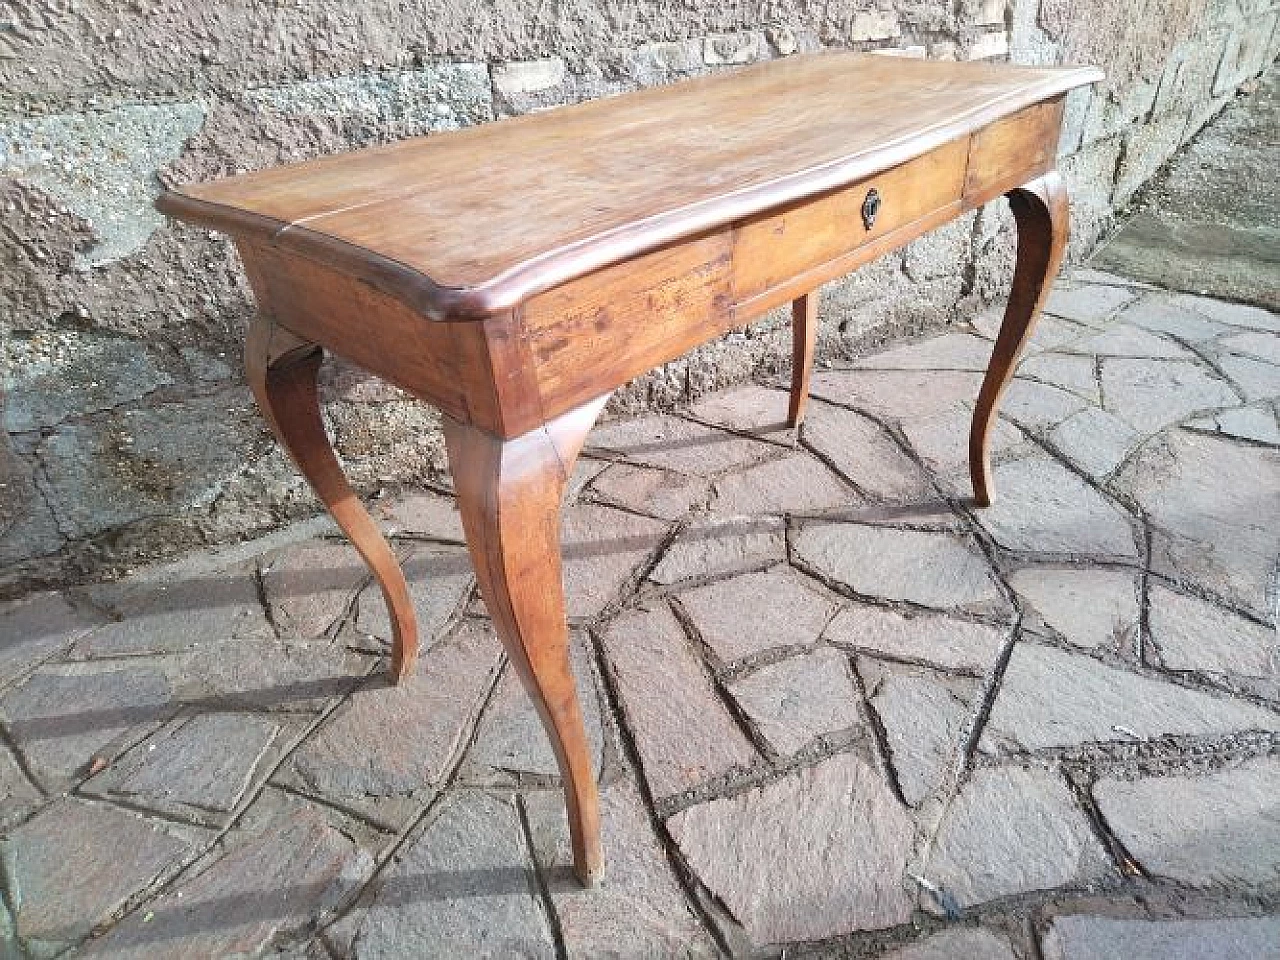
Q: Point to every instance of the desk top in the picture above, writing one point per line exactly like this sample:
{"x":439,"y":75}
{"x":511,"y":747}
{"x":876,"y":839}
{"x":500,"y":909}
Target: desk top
{"x":466,"y":223}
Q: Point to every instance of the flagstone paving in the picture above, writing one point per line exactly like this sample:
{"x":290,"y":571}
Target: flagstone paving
{"x":835,"y":710}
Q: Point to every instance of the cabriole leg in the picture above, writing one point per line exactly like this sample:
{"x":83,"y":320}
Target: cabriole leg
{"x":509,"y":493}
{"x":1041,"y":211}
{"x":282,"y":372}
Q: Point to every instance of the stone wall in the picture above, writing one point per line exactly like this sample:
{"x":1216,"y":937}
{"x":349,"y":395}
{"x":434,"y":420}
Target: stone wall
{"x":129,"y":431}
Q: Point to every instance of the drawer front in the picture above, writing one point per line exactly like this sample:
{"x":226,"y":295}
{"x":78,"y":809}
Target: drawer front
{"x":1011,"y":151}
{"x":597,"y":332}
{"x":775,"y":249}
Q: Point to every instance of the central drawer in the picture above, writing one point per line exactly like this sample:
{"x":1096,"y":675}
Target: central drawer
{"x":775,"y":249}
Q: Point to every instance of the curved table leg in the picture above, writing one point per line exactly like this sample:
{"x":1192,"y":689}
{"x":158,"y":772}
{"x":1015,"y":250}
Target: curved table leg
{"x":1041,"y":211}
{"x":509,"y":493}
{"x":804,"y":334}
{"x":282,"y":373}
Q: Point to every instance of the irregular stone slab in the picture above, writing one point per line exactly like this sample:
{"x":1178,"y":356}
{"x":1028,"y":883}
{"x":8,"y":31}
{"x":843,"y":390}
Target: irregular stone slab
{"x":931,"y":569}
{"x":951,"y":351}
{"x":1103,"y":938}
{"x":1164,"y":314}
{"x":897,"y":394}
{"x":180,"y":613}
{"x":390,"y":741}
{"x":1151,"y":394}
{"x":1094,"y":703}
{"x":714,"y":545}
{"x":35,"y":629}
{"x":755,"y":612}
{"x":1257,"y":380}
{"x":75,"y":863}
{"x":1039,"y":406}
{"x":1039,"y":506}
{"x":309,"y":586}
{"x":684,"y":734}
{"x":1212,"y":505}
{"x":511,"y":740}
{"x":1259,"y":346}
{"x":796,"y":701}
{"x":795,"y":484}
{"x":1087,"y":607}
{"x":658,"y":493}
{"x":637,"y":903}
{"x":287,"y":864}
{"x":923,"y":722}
{"x":1012,"y":831}
{"x":1257,"y":423}
{"x":1050,"y":333}
{"x":59,"y":374}
{"x":1191,"y":634}
{"x":62,"y":718}
{"x":422,"y":514}
{"x":602,"y":549}
{"x":866,"y":455}
{"x":464,"y":887}
{"x":1123,"y":340}
{"x":970,"y":943}
{"x":265,"y":674}
{"x":128,"y":464}
{"x":1221,"y":828}
{"x":942,"y":442}
{"x":925,"y":637}
{"x":680,"y":445}
{"x":1076,"y":374}
{"x":207,"y":761}
{"x":1232,"y":314}
{"x":1095,"y":441}
{"x":817,"y":854}
{"x":751,"y":408}
{"x":18,"y":795}
{"x":438,"y":582}
{"x":1091,"y":304}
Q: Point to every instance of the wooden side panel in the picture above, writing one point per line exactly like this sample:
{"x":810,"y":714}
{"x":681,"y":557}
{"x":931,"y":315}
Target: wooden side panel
{"x":442,"y":363}
{"x":774,"y":249}
{"x":596,"y":333}
{"x":1009,"y":152}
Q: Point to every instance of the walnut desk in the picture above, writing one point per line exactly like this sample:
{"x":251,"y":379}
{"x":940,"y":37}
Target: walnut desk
{"x":514,"y":274}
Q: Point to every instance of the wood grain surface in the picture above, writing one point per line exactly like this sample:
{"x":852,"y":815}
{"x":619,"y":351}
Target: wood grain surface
{"x":465,"y":224}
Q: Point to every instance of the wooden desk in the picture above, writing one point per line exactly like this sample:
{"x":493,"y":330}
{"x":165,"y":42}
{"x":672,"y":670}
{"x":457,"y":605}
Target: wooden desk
{"x":514,"y":274}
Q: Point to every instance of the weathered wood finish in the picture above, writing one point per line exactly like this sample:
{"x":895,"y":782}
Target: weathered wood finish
{"x":281,"y":370}
{"x":509,"y":494}
{"x":804,"y":337}
{"x":516,"y":273}
{"x":1041,"y":211}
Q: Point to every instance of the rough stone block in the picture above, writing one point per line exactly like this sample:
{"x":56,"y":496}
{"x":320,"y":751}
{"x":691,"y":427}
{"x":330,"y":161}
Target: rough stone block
{"x":78,"y":862}
{"x":817,"y":854}
{"x":280,"y":870}
{"x":755,"y":612}
{"x":874,"y":25}
{"x":929,"y":638}
{"x":438,"y":580}
{"x":36,"y":628}
{"x":310,"y":586}
{"x":714,"y":545}
{"x":1191,"y":634}
{"x":684,"y":734}
{"x":529,"y":76}
{"x":637,"y":903}
{"x":798,"y":483}
{"x":865,"y":454}
{"x":1095,"y":703}
{"x":931,"y":569}
{"x":603,"y":548}
{"x":657,"y":493}
{"x":1012,"y":831}
{"x":1212,"y":830}
{"x":1090,"y":608}
{"x":797,"y":701}
{"x":971,"y":943}
{"x":720,"y":49}
{"x":1084,"y":937}
{"x":465,"y":886}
